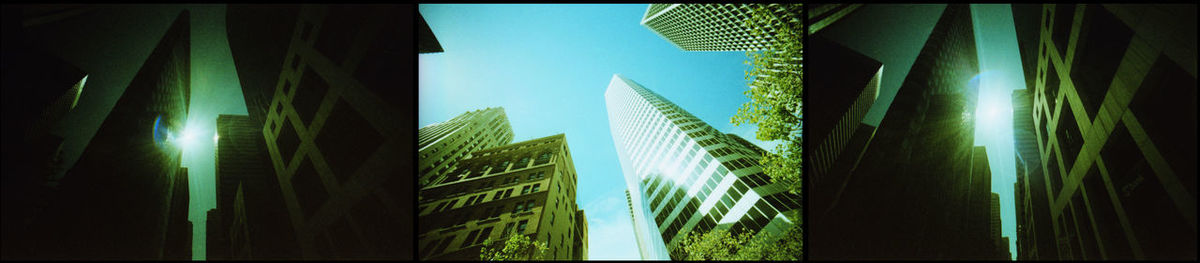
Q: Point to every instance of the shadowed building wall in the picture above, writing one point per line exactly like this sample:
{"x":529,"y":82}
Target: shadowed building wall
{"x":116,"y":200}
{"x":322,"y":82}
{"x":1113,"y":105}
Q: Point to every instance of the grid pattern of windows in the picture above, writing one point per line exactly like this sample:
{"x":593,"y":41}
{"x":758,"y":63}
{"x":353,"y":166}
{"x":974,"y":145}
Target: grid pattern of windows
{"x":683,"y":186}
{"x":712,"y":27}
{"x":1119,"y":187}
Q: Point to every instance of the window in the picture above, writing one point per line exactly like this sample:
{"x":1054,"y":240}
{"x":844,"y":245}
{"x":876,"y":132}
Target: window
{"x":536,"y":187}
{"x":470,"y":200}
{"x":497,"y":196}
{"x":507,"y":229}
{"x":518,"y":208}
{"x":481,"y":197}
{"x":521,"y":226}
{"x":525,"y":190}
{"x":450,"y":204}
{"x":483,"y":235}
{"x":551,"y":220}
{"x":508,"y":193}
{"x":470,"y":239}
{"x":445,"y":243}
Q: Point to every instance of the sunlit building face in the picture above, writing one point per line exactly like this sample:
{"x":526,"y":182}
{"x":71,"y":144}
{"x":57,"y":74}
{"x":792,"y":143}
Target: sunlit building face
{"x":683,"y":176}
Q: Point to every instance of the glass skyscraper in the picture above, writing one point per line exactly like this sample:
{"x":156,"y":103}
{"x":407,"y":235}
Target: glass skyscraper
{"x":683,"y":176}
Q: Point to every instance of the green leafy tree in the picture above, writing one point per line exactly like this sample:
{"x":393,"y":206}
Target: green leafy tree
{"x":516,"y":247}
{"x":719,"y":244}
{"x":775,"y":87}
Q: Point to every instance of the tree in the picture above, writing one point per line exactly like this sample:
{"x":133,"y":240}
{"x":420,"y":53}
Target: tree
{"x":516,"y":247}
{"x":719,"y":244}
{"x":775,"y":87}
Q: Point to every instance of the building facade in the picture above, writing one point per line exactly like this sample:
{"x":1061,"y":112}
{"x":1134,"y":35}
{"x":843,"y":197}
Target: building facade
{"x":683,"y":176}
{"x":442,"y":145}
{"x":526,"y":188}
{"x":714,"y":27}
{"x":320,"y":81}
{"x":1114,"y":103}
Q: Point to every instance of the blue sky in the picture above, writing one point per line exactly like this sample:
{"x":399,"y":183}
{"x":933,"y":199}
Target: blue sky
{"x":548,"y":66}
{"x":1000,"y":64}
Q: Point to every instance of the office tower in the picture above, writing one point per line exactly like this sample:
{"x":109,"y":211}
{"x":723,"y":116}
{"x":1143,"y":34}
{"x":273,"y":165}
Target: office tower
{"x":918,"y":175}
{"x":994,"y":222}
{"x":426,"y":41}
{"x":40,"y":89}
{"x":847,"y":84}
{"x":980,"y":228}
{"x":685,"y":177}
{"x":1033,"y":207}
{"x":116,"y":202}
{"x":1114,"y":103}
{"x":525,"y":188}
{"x":715,"y":27}
{"x":442,"y":145}
{"x":179,"y":229}
{"x":320,"y":81}
{"x":243,"y":169}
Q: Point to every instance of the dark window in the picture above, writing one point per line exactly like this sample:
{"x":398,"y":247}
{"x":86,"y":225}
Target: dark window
{"x":288,"y":141}
{"x":470,"y":239}
{"x":1101,"y":46}
{"x":1107,"y":224}
{"x":1052,"y":85}
{"x":521,"y":226}
{"x":1168,"y":90}
{"x":349,"y":139}
{"x":309,"y":189}
{"x":1070,"y":141}
{"x":1064,"y":17}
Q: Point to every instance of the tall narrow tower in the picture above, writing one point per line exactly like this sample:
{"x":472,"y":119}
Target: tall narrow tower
{"x":683,"y":176}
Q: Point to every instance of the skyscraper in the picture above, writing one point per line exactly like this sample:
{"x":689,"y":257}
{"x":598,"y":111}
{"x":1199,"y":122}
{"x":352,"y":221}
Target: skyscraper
{"x":243,"y":168}
{"x":685,"y":177}
{"x":714,"y":27}
{"x":320,"y":81}
{"x":525,"y":188}
{"x":118,"y":200}
{"x":1033,"y":207}
{"x":442,"y":145}
{"x":915,"y":180}
{"x":178,"y":245}
{"x":1114,"y":113}
{"x":994,"y":222}
{"x":846,"y":85}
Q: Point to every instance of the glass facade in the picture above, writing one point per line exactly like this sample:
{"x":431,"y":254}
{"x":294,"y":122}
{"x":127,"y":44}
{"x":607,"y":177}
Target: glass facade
{"x":676,"y":184}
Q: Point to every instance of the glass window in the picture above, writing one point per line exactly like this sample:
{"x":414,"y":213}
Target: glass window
{"x":507,"y":229}
{"x":470,"y":239}
{"x":521,"y":226}
{"x":484,"y":235}
{"x":536,"y":187}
